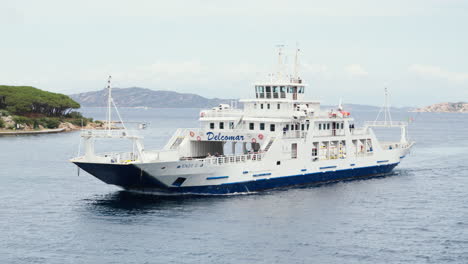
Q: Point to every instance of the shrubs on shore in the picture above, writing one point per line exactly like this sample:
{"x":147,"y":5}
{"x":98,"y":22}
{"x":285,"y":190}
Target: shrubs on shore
{"x":46,"y":122}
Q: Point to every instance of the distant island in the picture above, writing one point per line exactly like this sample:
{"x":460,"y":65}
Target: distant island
{"x":28,"y":110}
{"x":143,"y":97}
{"x":460,"y":107}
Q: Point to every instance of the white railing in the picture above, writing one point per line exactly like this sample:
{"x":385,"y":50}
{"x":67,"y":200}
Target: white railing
{"x":114,"y":133}
{"x":222,"y":113}
{"x":230,"y":159}
{"x":386,"y":123}
{"x":295,"y":134}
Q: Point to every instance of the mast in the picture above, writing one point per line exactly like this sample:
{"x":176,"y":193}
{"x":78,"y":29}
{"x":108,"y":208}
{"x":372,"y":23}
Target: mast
{"x":386,"y":111}
{"x":280,"y":61}
{"x":296,"y":63}
{"x":109,"y":104}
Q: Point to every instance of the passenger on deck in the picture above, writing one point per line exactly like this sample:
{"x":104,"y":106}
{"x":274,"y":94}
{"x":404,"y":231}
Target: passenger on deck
{"x":209,"y":155}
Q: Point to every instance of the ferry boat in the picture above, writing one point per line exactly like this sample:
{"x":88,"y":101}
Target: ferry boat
{"x":278,"y":139}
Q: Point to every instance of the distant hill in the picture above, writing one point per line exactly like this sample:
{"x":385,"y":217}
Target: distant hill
{"x":365,"y":108}
{"x":460,"y":107}
{"x":142,"y":97}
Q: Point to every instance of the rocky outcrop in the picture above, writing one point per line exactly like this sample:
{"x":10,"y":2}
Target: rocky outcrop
{"x":460,"y":107}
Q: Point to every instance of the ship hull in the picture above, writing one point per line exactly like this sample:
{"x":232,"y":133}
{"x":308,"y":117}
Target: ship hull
{"x":131,"y":177}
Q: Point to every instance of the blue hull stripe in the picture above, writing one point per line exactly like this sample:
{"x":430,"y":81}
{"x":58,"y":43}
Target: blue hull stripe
{"x":217,"y":177}
{"x":131,"y":177}
{"x":261,"y":174}
{"x":328,"y":167}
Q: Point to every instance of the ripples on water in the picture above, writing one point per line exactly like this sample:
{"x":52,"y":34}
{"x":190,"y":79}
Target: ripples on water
{"x":419,"y":214}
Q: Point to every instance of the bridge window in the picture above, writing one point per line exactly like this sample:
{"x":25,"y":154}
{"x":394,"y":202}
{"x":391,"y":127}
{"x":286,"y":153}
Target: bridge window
{"x":268,"y":106}
{"x":283,"y":91}
{"x":211,"y":125}
{"x":278,"y":106}
{"x":272,"y":127}
{"x":301,"y":89}
{"x":268,"y":91}
{"x":231,"y":125}
{"x":262,"y":126}
{"x":251,"y":126}
{"x":221,"y":125}
{"x":261,"y":106}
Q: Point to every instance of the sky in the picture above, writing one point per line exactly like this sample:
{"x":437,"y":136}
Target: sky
{"x":350,"y":50}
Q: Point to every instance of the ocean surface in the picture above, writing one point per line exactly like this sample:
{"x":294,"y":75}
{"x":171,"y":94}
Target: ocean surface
{"x":49,"y":214}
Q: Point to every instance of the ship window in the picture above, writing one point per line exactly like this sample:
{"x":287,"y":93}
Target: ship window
{"x":283,"y":89}
{"x":262,"y":126}
{"x":275,"y":89}
{"x":251,"y":126}
{"x":320,"y":126}
{"x":301,"y":89}
{"x":292,"y":127}
{"x":260,"y":89}
{"x":278,"y":162}
{"x":302,"y":127}
{"x":278,"y":106}
{"x":261,"y":106}
{"x":211,"y":125}
{"x":221,"y":125}
{"x":268,"y":106}
{"x":308,"y":126}
{"x":268,"y":89}
{"x":328,"y":125}
{"x":231,"y":125}
{"x":272,"y":127}
{"x":342,"y":125}
{"x":314,"y":152}
{"x":297,"y":126}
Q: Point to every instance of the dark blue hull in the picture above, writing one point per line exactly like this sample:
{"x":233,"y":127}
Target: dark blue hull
{"x":132,"y":178}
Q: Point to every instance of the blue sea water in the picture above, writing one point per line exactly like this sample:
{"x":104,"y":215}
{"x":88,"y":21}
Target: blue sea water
{"x":49,"y":214}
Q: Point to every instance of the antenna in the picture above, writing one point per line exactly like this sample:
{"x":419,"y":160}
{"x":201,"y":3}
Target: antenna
{"x":296,"y":63}
{"x":109,"y":104}
{"x":280,"y":60}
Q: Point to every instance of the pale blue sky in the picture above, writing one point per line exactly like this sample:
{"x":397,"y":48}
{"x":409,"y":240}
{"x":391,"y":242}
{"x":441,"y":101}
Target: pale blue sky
{"x":350,"y":49}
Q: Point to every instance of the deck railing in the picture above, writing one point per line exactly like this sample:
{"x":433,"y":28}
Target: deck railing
{"x":231,"y":159}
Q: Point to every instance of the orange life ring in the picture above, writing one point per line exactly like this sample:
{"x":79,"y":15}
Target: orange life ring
{"x":198,"y":138}
{"x":192,"y":133}
{"x":260,"y":136}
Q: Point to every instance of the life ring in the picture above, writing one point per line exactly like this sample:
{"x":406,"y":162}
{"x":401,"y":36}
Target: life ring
{"x":260,"y":136}
{"x":198,"y":138}
{"x":254,"y":140}
{"x":192,"y":133}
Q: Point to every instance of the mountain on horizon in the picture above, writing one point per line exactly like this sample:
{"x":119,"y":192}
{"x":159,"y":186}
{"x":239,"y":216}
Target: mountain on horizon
{"x":143,"y":97}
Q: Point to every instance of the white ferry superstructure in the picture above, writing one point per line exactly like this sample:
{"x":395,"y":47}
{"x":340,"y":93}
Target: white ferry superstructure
{"x":278,"y":139}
